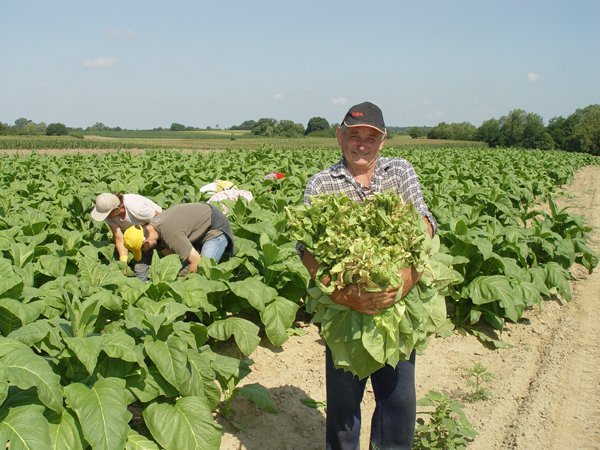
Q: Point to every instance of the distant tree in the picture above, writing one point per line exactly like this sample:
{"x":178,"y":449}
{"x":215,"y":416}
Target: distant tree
{"x":32,"y":128}
{"x":587,"y":130}
{"x":561,"y":131}
{"x":316,"y":124}
{"x":511,"y":127}
{"x":489,"y":132}
{"x":21,"y":122}
{"x":56,"y":129}
{"x":535,"y":134}
{"x":264,"y":127}
{"x":4,"y":128}
{"x":416,"y":132}
{"x":98,"y":126}
{"x":177,"y":127}
{"x":288,"y":128}
{"x":546,"y":142}
{"x":522,"y":129}
{"x":441,"y":131}
{"x":463,"y":131}
{"x":576,"y":132}
{"x":245,"y":125}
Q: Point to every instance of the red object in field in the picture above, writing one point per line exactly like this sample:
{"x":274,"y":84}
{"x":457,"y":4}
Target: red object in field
{"x":275,"y":176}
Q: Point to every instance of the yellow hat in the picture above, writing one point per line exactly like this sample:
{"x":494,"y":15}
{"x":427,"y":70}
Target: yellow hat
{"x":133,"y":238}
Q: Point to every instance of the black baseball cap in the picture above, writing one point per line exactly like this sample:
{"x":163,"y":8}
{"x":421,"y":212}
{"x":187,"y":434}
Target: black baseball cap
{"x":365,"y":114}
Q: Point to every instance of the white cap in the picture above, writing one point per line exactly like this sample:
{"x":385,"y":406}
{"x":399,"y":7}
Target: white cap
{"x":105,"y":203}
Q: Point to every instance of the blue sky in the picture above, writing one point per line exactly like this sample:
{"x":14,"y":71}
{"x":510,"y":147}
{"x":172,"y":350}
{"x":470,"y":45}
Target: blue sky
{"x":146,"y":64}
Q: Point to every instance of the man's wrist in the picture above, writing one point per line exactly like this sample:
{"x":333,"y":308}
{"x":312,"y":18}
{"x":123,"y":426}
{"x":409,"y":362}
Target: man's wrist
{"x":124,"y":258}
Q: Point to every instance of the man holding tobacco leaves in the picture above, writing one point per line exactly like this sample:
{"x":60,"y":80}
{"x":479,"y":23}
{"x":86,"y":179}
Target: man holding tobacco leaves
{"x":359,"y":174}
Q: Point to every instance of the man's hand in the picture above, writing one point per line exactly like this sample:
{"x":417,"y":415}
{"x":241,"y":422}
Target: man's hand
{"x":193,"y":261}
{"x":356,"y":298}
{"x":184,"y":272}
{"x":410,"y":277}
{"x":123,"y":264}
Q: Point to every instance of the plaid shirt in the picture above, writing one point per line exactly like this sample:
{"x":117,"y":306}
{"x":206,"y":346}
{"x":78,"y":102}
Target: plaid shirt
{"x":390,"y":173}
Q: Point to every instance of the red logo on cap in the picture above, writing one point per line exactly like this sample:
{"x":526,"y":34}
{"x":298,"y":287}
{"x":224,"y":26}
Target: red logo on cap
{"x":356,"y":114}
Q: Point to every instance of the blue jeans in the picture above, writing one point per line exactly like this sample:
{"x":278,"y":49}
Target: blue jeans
{"x":393,"y":421}
{"x":213,"y":248}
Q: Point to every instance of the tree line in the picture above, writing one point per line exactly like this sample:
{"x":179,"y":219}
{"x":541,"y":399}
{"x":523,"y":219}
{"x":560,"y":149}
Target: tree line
{"x":579,"y":132}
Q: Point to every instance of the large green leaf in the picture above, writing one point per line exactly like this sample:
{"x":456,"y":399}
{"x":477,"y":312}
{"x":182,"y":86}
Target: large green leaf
{"x":352,"y":356}
{"x":194,"y":333}
{"x":149,"y":384}
{"x":94,"y":275}
{"x":65,"y":432}
{"x":52,"y":265}
{"x":484,"y":246}
{"x":200,"y":381}
{"x":270,"y":253}
{"x":487,"y":289}
{"x":244,"y":332}
{"x":25,"y":428}
{"x":557,"y":279}
{"x":278,"y":317}
{"x":164,"y":269}
{"x":257,"y":293}
{"x":12,"y":314}
{"x":21,"y":253}
{"x":86,"y":349}
{"x":25,"y":369}
{"x":186,"y":425}
{"x":120,"y":345}
{"x":136,"y":441}
{"x":102,"y":412}
{"x":170,"y":357}
{"x":10,"y":285}
{"x":193,"y":292}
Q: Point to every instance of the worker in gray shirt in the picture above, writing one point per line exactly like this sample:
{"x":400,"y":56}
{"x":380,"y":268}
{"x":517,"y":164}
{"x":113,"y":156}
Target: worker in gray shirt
{"x":191,"y":230}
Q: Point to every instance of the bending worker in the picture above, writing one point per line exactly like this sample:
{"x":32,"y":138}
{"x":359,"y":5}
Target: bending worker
{"x":191,"y":230}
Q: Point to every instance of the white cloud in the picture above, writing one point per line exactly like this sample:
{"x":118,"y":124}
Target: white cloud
{"x":308,"y":88}
{"x":339,"y":101}
{"x":426,"y":103}
{"x":278,"y":96}
{"x":533,"y":77}
{"x":101,"y":61}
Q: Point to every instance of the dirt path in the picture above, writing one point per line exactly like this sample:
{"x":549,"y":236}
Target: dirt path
{"x":545,"y":394}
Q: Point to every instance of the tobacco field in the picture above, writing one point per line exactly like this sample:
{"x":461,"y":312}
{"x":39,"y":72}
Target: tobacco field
{"x":90,"y":358}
